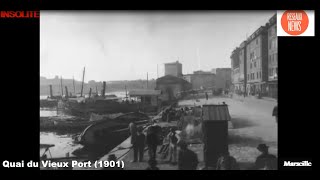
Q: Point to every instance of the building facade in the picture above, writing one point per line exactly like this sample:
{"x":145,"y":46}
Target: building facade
{"x":174,"y":69}
{"x":171,"y":87}
{"x":235,"y":71}
{"x":243,"y":67}
{"x":223,"y":78}
{"x":201,"y":80}
{"x":272,"y":57}
{"x":257,"y":62}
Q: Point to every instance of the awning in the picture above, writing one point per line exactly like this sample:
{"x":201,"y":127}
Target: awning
{"x":259,"y":83}
{"x":144,"y":92}
{"x":273,"y":82}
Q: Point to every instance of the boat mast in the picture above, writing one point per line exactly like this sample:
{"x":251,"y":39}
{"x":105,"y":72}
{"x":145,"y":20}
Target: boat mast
{"x":74,"y":87}
{"x":147,"y":80}
{"x":125,"y":86}
{"x":61,"y":86}
{"x":84,"y":69}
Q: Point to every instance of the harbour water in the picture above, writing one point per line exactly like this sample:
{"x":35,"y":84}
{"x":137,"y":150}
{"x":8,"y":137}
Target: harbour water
{"x":63,"y":142}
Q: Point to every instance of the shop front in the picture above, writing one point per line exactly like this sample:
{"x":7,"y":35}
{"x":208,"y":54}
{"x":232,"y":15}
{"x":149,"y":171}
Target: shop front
{"x":273,"y":89}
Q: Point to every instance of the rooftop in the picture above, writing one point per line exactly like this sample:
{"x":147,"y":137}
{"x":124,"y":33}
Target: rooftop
{"x":144,"y":92}
{"x":173,"y":63}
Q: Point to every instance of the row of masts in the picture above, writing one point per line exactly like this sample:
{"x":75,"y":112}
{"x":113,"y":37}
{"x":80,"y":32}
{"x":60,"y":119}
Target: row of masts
{"x":82,"y":84}
{"x":74,"y":87}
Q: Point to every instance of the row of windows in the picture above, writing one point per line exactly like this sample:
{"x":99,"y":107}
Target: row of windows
{"x":273,"y":31}
{"x":273,"y":71}
{"x":254,"y":64}
{"x":252,"y":76}
{"x":273,"y":44}
{"x":273,"y":58}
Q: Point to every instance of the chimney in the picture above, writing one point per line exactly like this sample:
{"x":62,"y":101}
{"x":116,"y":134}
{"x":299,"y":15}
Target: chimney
{"x":51,"y":95}
{"x":67,"y":95}
{"x":104,"y":89}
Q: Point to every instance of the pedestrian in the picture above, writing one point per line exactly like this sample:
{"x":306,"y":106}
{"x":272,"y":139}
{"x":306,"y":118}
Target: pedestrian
{"x":133,"y":133}
{"x":139,"y":145}
{"x":172,"y":146}
{"x":152,"y":142}
{"x":187,"y":159}
{"x":168,"y":115}
{"x":206,"y":96}
{"x":227,"y":162}
{"x":265,"y":160}
{"x":275,"y":112}
{"x":152,"y":165}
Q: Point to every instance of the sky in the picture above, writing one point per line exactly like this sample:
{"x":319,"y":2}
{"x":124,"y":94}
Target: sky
{"x":126,"y":45}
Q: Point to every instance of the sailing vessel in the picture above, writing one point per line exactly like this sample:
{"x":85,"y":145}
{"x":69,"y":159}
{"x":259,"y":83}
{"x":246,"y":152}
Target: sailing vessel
{"x":109,"y":104}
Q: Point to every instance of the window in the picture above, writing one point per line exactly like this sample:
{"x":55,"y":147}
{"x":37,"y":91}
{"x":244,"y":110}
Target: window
{"x":269,"y":45}
{"x":250,"y":65}
{"x":255,"y":64}
{"x":257,"y":41}
{"x":248,"y":77}
{"x":252,"y":75}
{"x":260,"y":75}
{"x":269,"y":59}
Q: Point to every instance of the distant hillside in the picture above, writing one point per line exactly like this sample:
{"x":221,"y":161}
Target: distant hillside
{"x":111,"y":85}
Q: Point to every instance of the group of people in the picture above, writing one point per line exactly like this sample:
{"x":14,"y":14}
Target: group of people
{"x":127,"y":101}
{"x":171,"y":114}
{"x":265,"y":161}
{"x":186,"y":158}
{"x":180,"y":155}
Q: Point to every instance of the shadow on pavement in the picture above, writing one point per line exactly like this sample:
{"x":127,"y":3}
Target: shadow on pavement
{"x":238,"y":123}
{"x":247,"y":141}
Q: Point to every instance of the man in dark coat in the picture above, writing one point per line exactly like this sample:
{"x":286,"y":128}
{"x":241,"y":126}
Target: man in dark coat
{"x":265,"y":161}
{"x":133,"y":133}
{"x":227,"y":162}
{"x":152,"y":141}
{"x":172,"y":146}
{"x":275,"y":113}
{"x":140,"y":143}
{"x":187,"y":159}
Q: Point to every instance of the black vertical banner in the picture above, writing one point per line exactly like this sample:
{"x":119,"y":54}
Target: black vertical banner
{"x":19,"y":89}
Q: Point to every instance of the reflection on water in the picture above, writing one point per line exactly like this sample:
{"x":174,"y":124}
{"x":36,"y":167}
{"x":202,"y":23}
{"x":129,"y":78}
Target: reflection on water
{"x":63,"y":144}
{"x":51,"y":112}
{"x":48,"y":113}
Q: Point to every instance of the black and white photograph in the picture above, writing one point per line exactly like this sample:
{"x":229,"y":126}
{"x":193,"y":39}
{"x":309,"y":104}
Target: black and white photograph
{"x":159,"y":90}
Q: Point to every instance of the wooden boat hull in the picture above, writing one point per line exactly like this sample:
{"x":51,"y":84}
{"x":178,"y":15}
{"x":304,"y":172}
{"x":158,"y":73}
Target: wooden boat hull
{"x":109,"y":130}
{"x":106,"y":107}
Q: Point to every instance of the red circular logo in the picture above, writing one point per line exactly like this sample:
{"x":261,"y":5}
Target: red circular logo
{"x":294,"y":22}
